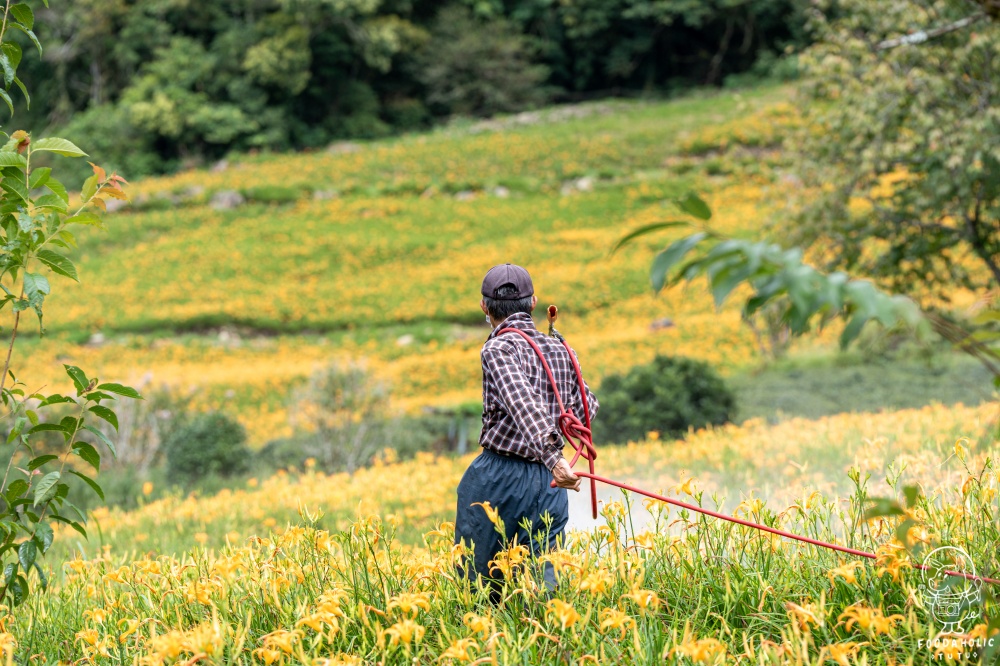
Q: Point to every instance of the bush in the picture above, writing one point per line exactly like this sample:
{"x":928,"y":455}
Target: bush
{"x":347,"y":411}
{"x":207,"y":444}
{"x":407,"y":114}
{"x":669,"y":395}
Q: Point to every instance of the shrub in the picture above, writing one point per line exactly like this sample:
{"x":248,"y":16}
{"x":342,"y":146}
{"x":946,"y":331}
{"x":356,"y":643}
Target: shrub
{"x":347,"y":410}
{"x":407,"y":114}
{"x":669,"y":395}
{"x":207,"y":444}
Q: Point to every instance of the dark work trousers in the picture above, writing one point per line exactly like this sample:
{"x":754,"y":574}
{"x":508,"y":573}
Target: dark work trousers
{"x":517,"y":489}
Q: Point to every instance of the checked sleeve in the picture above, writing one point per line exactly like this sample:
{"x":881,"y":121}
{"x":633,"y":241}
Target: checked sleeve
{"x":522,"y":402}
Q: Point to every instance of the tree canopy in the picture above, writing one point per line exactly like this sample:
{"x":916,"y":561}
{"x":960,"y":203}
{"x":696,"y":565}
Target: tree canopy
{"x":903,"y":143}
{"x":153,"y":84}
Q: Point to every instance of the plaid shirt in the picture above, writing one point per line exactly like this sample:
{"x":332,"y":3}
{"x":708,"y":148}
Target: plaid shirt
{"x":520,"y":411}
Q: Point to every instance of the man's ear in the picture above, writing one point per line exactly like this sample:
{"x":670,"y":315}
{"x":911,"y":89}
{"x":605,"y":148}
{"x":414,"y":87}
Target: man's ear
{"x":534,"y":302}
{"x":482,"y":306}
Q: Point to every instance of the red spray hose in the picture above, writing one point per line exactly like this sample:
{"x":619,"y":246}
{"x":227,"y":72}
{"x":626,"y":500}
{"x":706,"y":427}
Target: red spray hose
{"x":578,"y":434}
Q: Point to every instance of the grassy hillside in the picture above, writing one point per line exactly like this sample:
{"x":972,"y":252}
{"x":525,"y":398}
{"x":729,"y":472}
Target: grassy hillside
{"x":389,"y":268}
{"x":379,"y":249}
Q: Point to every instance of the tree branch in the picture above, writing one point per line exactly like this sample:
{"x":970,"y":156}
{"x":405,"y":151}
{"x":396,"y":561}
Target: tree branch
{"x":922,"y":36}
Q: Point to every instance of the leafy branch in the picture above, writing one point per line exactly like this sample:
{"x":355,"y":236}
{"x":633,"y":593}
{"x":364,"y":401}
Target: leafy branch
{"x":806,"y":297}
{"x":36,"y":232}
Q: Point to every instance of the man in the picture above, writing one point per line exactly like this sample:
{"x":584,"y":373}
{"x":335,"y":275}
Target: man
{"x":522,"y":445}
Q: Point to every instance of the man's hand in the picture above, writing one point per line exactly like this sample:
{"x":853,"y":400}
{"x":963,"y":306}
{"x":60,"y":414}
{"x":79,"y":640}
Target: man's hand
{"x":564,"y":476}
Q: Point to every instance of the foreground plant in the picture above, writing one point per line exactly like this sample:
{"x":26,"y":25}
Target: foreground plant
{"x":680,"y":589}
{"x":52,"y":435}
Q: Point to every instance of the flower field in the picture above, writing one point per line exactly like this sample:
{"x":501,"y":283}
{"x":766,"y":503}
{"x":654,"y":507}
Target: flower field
{"x":315,"y":569}
{"x":388,"y":269}
{"x":378,"y":256}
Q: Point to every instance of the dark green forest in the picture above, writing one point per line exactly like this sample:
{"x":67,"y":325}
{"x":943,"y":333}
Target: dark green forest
{"x":151,"y":86}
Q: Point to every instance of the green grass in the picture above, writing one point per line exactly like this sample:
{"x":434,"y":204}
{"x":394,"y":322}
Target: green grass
{"x":368,"y":258}
{"x":817,"y":386}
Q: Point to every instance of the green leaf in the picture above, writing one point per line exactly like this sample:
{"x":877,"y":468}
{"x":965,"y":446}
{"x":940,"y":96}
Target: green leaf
{"x":58,"y":189}
{"x":39,"y":176}
{"x":58,"y":146}
{"x":57,"y":263}
{"x":119,"y":389}
{"x":44,"y":536}
{"x":55,"y":399}
{"x":862,"y":294}
{"x":912,"y":493}
{"x":883,"y":507}
{"x":48,"y":427}
{"x":18,"y":428}
{"x":43,"y":580}
{"x":18,"y":589}
{"x":7,"y":67}
{"x":648,"y":229}
{"x":88,"y":453}
{"x":16,"y":488}
{"x":986,"y":317}
{"x":7,"y":100}
{"x":13,"y":51}
{"x":26,"y":223}
{"x":726,"y":280}
{"x":11,"y":159}
{"x":105,"y":413}
{"x":70,"y":424}
{"x":89,"y":188}
{"x":97,"y":396}
{"x":104,"y":438}
{"x":16,"y":186}
{"x":67,"y":238}
{"x":35,"y":285}
{"x":87,"y":218}
{"x":41,"y":460}
{"x":90,"y":482}
{"x":22,"y":12}
{"x":903,"y":531}
{"x":32,"y":36}
{"x":76,"y":510}
{"x":852,"y":330}
{"x":668,"y":258}
{"x":53,"y":201}
{"x":26,"y":553}
{"x":693,"y":205}
{"x":46,"y":488}
{"x":80,"y":380}
{"x":991,"y":651}
{"x":24,"y":91}
{"x":833,"y":291}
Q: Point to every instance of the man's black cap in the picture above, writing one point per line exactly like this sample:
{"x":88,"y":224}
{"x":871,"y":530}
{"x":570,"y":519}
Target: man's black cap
{"x":507,"y":274}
